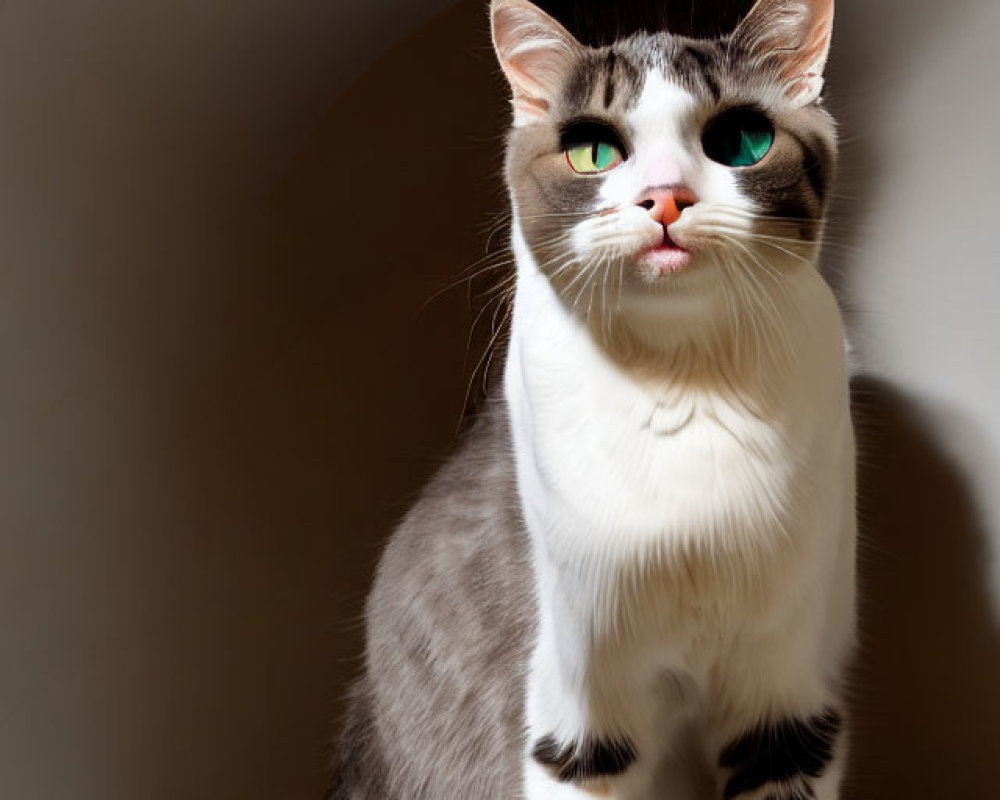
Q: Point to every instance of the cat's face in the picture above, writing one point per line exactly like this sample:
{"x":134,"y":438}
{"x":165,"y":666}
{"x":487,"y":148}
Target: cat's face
{"x":664,"y":167}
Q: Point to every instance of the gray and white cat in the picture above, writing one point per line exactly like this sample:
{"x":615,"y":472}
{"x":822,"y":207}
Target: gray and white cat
{"x":635,"y":579}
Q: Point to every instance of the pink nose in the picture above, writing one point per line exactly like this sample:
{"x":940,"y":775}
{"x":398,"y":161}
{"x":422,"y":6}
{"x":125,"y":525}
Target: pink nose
{"x":665,"y":205}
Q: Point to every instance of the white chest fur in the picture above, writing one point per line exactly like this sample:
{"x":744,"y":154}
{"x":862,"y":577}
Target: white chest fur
{"x":608,"y":463}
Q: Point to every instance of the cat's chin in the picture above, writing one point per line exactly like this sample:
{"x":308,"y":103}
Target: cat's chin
{"x":663,"y":262}
{"x":668,"y":270}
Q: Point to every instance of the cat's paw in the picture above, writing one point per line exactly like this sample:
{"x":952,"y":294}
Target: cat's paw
{"x":784,"y":757}
{"x":589,"y":758}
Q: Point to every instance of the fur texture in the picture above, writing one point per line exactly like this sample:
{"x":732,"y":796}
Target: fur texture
{"x":636,"y":578}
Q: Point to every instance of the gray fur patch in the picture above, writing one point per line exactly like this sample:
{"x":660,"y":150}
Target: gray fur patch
{"x":450,"y":621}
{"x":792,"y":182}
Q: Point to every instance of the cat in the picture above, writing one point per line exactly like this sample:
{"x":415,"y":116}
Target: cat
{"x":635,"y":577}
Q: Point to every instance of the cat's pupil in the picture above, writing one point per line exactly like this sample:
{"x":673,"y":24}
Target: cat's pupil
{"x":739,"y":137}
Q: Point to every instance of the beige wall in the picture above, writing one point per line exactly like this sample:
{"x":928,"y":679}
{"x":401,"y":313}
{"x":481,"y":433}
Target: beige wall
{"x":220,"y":381}
{"x":916,"y":84}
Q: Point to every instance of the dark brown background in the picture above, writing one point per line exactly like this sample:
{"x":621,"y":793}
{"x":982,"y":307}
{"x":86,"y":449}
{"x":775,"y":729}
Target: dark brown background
{"x":224,"y":377}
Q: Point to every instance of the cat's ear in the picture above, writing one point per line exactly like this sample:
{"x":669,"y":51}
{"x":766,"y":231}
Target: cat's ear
{"x":794,"y":36}
{"x":536,"y":54}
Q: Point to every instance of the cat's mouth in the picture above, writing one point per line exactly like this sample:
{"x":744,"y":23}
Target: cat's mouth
{"x":664,"y":259}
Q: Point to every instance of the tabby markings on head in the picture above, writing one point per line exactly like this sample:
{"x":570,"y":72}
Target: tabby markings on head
{"x":750,"y":151}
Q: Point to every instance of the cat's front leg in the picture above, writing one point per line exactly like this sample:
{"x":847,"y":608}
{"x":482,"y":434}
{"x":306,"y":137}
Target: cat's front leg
{"x":788,"y":756}
{"x":586,"y":728}
{"x":781,"y":730}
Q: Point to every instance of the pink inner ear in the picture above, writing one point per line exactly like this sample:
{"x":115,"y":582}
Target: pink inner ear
{"x":812,"y":51}
{"x":793,"y":36}
{"x":531,"y":106}
{"x":531,"y":74}
{"x":810,"y":54}
{"x":535,"y":52}
{"x":535,"y":74}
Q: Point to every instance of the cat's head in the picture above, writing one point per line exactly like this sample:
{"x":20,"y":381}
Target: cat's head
{"x":664,"y":172}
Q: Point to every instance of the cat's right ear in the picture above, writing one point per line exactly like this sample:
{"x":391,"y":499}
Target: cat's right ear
{"x":793,"y":36}
{"x":536,"y":54}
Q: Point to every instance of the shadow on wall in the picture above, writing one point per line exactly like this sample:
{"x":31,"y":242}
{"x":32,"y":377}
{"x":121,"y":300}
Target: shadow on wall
{"x":926,"y":693}
{"x":305,"y":390}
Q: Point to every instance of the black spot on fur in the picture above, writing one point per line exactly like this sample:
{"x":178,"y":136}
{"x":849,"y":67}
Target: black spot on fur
{"x":609,"y":81}
{"x":696,"y":66}
{"x":780,"y":750}
{"x":587,"y":759}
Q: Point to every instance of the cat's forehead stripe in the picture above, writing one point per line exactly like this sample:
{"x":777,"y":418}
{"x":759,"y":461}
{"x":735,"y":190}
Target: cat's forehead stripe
{"x":609,"y":80}
{"x":616,"y":75}
{"x":698,"y":66}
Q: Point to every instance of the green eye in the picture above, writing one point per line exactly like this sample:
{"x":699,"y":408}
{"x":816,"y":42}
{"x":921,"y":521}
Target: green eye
{"x":593,"y":157}
{"x":591,"y":146}
{"x":740,"y":137}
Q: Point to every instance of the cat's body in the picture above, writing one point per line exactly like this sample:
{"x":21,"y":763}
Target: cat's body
{"x":636,"y":578}
{"x":461,"y":735}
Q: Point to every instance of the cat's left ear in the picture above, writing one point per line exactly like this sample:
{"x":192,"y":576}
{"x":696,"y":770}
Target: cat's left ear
{"x":794,"y":36}
{"x":536,"y":54}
